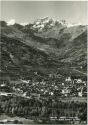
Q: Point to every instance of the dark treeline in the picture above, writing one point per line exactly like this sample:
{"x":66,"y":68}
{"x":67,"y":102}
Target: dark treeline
{"x":34,"y":108}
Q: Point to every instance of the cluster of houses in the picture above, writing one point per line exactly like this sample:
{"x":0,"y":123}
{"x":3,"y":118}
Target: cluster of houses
{"x":68,"y":87}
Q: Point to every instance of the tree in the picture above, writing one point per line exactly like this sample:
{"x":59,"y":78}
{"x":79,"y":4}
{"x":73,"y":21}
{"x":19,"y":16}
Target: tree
{"x":83,"y":116}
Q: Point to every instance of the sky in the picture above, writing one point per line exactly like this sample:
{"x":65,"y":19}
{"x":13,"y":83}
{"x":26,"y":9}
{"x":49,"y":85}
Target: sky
{"x":28,"y":11}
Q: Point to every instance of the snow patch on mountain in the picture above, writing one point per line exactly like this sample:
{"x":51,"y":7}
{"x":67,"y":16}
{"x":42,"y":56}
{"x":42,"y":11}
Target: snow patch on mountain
{"x":73,"y":24}
{"x":24,"y":24}
{"x":11,"y":22}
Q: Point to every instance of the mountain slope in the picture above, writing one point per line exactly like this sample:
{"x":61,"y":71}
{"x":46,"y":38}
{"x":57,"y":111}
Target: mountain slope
{"x":25,"y":50}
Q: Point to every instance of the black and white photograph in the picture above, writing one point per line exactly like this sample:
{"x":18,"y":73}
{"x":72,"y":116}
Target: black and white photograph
{"x":43,"y":62}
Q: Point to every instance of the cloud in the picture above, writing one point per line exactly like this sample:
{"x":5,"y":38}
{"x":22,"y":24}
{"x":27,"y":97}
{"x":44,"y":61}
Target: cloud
{"x":11,"y":22}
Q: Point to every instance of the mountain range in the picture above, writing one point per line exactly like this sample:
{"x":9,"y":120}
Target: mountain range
{"x":44,"y":46}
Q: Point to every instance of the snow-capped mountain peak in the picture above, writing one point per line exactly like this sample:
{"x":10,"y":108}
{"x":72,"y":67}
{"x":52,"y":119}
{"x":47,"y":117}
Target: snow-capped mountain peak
{"x":41,"y":23}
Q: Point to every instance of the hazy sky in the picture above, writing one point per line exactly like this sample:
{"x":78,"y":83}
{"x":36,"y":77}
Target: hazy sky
{"x":28,"y":11}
